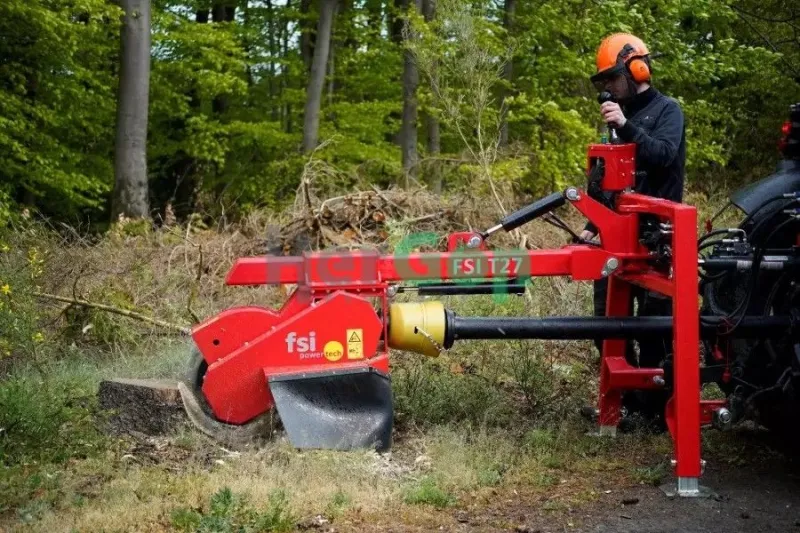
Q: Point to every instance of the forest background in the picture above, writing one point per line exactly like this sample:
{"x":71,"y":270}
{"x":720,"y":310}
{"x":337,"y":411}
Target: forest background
{"x":470,"y":95}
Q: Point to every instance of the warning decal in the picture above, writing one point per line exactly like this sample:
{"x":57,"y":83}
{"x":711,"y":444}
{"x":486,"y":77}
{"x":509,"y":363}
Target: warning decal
{"x":355,"y":344}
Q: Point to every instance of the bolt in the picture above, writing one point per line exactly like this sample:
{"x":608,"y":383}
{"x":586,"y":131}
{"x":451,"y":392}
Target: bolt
{"x":573,"y":195}
{"x":391,"y":291}
{"x":474,"y":241}
{"x":658,"y":380}
{"x":612,"y":264}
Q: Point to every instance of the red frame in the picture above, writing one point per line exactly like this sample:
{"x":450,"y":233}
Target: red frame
{"x":322,"y":276}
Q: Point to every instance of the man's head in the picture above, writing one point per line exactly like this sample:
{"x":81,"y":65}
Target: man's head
{"x":623,"y":66}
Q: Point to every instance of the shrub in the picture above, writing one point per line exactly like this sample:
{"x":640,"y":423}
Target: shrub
{"x":428,"y":492}
{"x":46,"y":422}
{"x":229,"y":512}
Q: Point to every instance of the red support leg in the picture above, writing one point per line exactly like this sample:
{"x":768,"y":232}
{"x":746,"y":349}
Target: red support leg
{"x":686,"y":340}
{"x":617,"y":304}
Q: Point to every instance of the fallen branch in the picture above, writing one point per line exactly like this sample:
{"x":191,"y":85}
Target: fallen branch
{"x":110,"y":309}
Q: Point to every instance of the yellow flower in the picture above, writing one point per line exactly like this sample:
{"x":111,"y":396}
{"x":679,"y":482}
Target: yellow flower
{"x":38,"y":337}
{"x":5,"y":289}
{"x":4,"y":248}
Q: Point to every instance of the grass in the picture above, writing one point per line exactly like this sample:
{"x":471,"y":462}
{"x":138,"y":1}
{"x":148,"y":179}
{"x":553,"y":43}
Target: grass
{"x":229,"y":512}
{"x":427,"y":491}
{"x":652,"y":475}
{"x":187,"y":482}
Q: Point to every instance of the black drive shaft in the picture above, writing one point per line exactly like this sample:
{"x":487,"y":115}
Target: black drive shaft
{"x":589,"y":328}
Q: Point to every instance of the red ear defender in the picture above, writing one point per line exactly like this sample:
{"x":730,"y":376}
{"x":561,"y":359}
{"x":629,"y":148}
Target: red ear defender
{"x":639,"y":70}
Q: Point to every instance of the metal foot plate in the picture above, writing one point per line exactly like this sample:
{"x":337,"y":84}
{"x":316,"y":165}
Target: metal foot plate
{"x":687,"y":487}
{"x":603,"y":431}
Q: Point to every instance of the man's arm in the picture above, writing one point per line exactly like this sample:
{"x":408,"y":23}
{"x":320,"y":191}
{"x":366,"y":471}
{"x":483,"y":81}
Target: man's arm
{"x":661,"y":146}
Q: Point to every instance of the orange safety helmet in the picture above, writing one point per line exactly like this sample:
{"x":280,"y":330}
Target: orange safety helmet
{"x":620,"y":52}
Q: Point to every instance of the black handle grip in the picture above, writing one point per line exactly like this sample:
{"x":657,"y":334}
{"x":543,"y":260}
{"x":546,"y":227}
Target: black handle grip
{"x":602,"y":98}
{"x":536,"y":209}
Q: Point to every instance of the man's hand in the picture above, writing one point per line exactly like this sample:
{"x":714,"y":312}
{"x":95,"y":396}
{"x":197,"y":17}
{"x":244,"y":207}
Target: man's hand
{"x":612,"y":114}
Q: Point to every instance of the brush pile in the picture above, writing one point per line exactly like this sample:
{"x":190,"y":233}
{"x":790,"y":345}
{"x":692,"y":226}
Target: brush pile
{"x":370,"y":218}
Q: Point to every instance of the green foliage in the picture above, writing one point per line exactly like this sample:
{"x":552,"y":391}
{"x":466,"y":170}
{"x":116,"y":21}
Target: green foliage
{"x":429,"y":392}
{"x":227,"y":98}
{"x":46,"y":421}
{"x":57,"y":102}
{"x":229,"y":512}
{"x":340,"y":502}
{"x":21,"y":265}
{"x":558,"y":137}
{"x":428,"y":492}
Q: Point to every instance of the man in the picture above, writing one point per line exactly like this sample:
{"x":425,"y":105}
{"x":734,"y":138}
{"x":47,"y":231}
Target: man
{"x":654,"y":122}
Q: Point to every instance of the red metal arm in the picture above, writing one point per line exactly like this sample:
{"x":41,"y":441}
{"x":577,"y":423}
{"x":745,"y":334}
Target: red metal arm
{"x":352,"y":269}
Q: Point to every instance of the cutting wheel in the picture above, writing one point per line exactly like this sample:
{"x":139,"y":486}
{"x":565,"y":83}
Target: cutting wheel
{"x":259,"y":429}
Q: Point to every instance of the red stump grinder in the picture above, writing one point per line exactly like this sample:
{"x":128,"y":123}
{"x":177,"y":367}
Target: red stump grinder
{"x":321,"y":361}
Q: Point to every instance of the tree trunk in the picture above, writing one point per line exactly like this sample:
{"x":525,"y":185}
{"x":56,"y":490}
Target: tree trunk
{"x":332,"y":56}
{"x":395,"y":22}
{"x":375,"y":15}
{"x":431,"y":123}
{"x":247,"y":23}
{"x":317,"y":80}
{"x":508,"y":69}
{"x":222,"y":12}
{"x":284,"y":74}
{"x":331,"y":71}
{"x":273,"y":53}
{"x":148,"y":406}
{"x":130,"y":196}
{"x":306,"y":39}
{"x":408,"y":132}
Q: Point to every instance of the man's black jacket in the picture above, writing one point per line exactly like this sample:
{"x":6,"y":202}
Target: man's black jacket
{"x":655,"y":123}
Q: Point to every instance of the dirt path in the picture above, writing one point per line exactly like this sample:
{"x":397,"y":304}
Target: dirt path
{"x":760,"y":495}
{"x":748,"y":499}
{"x":751,"y":498}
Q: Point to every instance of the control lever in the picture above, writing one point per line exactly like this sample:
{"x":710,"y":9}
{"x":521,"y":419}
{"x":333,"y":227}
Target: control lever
{"x":602,"y":98}
{"x":528,"y":213}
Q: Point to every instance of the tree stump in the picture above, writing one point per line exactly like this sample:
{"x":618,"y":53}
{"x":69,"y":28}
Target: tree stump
{"x":148,"y":406}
